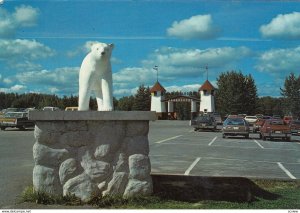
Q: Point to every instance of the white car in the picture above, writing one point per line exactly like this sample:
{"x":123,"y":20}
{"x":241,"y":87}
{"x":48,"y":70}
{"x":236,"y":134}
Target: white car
{"x":251,"y":119}
{"x":48,"y":108}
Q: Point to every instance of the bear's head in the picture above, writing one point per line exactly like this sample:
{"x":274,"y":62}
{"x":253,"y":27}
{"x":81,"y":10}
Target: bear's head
{"x":101,"y":51}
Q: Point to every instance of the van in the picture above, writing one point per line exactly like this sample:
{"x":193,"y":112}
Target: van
{"x":71,"y":109}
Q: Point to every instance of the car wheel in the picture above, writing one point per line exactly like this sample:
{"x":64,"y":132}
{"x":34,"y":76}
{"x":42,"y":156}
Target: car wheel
{"x":224,"y":136}
{"x":260,"y":136}
{"x":3,"y":128}
{"x":264,"y":138}
{"x":195,"y":129}
{"x":288,"y":139}
{"x":247,"y":136}
{"x":21,"y":127}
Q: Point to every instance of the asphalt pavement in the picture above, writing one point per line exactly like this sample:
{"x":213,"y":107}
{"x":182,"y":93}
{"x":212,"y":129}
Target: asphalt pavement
{"x":175,"y":148}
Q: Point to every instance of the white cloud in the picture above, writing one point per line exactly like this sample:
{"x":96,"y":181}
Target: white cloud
{"x":23,"y":49}
{"x":183,"y":88}
{"x":277,"y":61}
{"x":174,"y":62}
{"x":23,"y":16}
{"x":185,"y":66}
{"x":125,"y":92}
{"x":61,"y":80}
{"x":7,"y":81}
{"x":134,"y":75}
{"x":196,"y":27}
{"x":16,"y":88}
{"x":285,"y":26}
{"x":19,"y":54}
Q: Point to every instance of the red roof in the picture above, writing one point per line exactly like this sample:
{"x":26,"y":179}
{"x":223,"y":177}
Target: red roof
{"x":206,"y":86}
{"x":157,"y":87}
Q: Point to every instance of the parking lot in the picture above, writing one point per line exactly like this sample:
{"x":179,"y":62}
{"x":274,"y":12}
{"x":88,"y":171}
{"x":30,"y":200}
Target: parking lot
{"x":175,"y":148}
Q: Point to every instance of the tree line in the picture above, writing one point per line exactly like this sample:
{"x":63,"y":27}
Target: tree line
{"x":236,"y":94}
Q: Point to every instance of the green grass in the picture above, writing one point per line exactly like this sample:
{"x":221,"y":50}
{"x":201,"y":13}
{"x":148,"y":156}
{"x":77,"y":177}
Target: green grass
{"x":287,"y":197}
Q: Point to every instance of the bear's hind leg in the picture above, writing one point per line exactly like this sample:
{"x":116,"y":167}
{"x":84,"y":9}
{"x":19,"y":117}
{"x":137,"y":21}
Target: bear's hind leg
{"x":99,"y":98}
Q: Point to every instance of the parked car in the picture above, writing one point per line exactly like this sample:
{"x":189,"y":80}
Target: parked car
{"x":217,"y":117}
{"x":241,"y":115}
{"x":295,"y":127}
{"x":259,"y":115}
{"x":276,"y":116}
{"x":235,"y":127}
{"x":204,"y":122}
{"x":15,"y":119}
{"x":49,"y":108}
{"x":71,"y":109}
{"x":251,"y":119}
{"x":275,"y":128}
{"x":287,"y":119}
{"x":259,"y":122}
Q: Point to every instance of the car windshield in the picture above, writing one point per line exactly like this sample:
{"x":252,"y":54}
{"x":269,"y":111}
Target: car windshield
{"x":234,"y":122}
{"x":277,"y":122}
{"x":203,"y":119}
{"x":266,"y":117}
{"x":296,"y":122}
{"x":13,"y":115}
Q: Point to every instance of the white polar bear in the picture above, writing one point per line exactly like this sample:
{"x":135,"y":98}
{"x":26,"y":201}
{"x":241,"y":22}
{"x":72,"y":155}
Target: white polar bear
{"x":96,"y":75}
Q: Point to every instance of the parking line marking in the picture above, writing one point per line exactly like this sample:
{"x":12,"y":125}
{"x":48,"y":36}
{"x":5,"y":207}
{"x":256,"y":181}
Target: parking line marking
{"x":213,"y":140}
{"x":286,"y":171}
{"x":187,"y":172}
{"x":168,"y":139}
{"x":258,"y":144}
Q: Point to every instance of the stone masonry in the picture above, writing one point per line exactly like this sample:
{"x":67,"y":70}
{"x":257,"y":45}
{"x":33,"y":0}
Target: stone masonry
{"x":92,"y":153}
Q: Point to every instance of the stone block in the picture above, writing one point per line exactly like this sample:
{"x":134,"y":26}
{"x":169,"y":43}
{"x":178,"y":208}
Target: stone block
{"x":44,"y":155}
{"x":89,"y":153}
{"x":97,"y":170}
{"x":138,"y":188}
{"x":102,"y":151}
{"x":82,"y":187}
{"x":117,"y":185}
{"x":139,"y":167}
{"x":46,"y":179}
{"x":68,"y":169}
{"x":121,"y":163}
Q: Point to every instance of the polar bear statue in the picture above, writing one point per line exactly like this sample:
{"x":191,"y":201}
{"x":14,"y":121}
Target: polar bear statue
{"x":96,"y":75}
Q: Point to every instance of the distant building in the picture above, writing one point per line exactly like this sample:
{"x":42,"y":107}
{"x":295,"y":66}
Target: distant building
{"x":165,"y":107}
{"x":207,"y":97}
{"x":157,"y":100}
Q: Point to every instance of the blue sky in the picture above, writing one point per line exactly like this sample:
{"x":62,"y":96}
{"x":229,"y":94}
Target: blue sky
{"x":43,"y":42}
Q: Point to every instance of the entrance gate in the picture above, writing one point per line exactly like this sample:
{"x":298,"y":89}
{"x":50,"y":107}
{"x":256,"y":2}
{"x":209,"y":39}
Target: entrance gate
{"x":181,"y":98}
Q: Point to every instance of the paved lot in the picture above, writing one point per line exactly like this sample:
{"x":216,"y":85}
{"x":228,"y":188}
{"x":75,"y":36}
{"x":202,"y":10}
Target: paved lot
{"x":174,"y":149}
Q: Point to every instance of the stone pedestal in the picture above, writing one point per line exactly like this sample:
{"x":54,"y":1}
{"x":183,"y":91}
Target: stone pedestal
{"x":90,"y":153}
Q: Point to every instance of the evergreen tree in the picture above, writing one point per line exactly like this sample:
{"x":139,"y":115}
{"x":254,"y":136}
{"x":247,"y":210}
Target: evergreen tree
{"x":270,"y":106}
{"x":236,"y":93}
{"x":125,"y":103}
{"x":142,"y":99}
{"x":291,"y":94}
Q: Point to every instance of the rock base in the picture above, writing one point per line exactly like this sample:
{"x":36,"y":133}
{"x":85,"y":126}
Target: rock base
{"x":92,"y":153}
